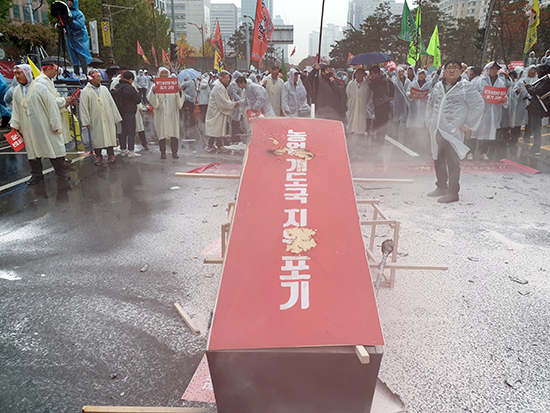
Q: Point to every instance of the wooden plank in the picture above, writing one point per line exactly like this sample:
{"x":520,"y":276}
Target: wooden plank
{"x":379,"y":211}
{"x":382,"y":181}
{"x":368,"y":201}
{"x":187,"y":319}
{"x":217,"y":176}
{"x":410,"y":266}
{"x":379,"y":222}
{"x":141,"y":409}
{"x":213,"y":260}
{"x":362,"y":354}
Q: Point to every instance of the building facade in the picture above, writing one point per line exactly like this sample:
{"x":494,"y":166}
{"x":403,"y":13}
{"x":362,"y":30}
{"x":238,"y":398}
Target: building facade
{"x":331,"y":33}
{"x":228,"y":17}
{"x":248,"y":7}
{"x":187,"y":14}
{"x":20,"y":11}
{"x":359,"y":10}
{"x":460,"y":9}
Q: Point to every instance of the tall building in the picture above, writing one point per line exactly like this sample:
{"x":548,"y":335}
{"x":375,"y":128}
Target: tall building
{"x":228,"y":17}
{"x":187,"y":14}
{"x":331,"y":33}
{"x":248,"y":7}
{"x":465,"y":8}
{"x":20,"y":11}
{"x":359,"y":10}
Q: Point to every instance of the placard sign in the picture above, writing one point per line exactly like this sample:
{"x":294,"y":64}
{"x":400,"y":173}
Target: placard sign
{"x":419,"y":94}
{"x":513,"y":65}
{"x":166,"y":85}
{"x":253,"y":114}
{"x":494,"y":95}
{"x":390,"y":66}
{"x":295,"y":272}
{"x":15,"y":140}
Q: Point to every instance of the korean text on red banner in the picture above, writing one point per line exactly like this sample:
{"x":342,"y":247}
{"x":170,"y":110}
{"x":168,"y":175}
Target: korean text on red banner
{"x":494,"y":95}
{"x":513,"y":65}
{"x":15,"y":140}
{"x":419,"y":94}
{"x":166,"y":85}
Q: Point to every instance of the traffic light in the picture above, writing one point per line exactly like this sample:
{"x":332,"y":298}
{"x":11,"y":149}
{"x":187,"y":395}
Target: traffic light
{"x":173,"y":54}
{"x":481,"y":38}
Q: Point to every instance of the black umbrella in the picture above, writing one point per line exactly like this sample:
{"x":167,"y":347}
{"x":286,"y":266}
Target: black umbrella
{"x":368,"y":59}
{"x":55,"y":60}
{"x":96,"y":62}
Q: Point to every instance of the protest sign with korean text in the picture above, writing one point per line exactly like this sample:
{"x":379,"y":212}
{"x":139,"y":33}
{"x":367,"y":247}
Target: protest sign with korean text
{"x":15,"y":140}
{"x":493,"y":95}
{"x":419,"y":94}
{"x":166,"y":85}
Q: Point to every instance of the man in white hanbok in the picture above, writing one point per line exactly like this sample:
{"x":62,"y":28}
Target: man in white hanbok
{"x":167,"y":121}
{"x":359,"y":94}
{"x":220,"y":108}
{"x":274,"y":86}
{"x":454,"y":107}
{"x":486,"y":133}
{"x":36,"y":117}
{"x":99,"y":114}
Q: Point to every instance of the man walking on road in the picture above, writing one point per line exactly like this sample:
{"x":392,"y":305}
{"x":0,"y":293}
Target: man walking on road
{"x":454,"y":108}
{"x":220,"y":107}
{"x":127,"y":98}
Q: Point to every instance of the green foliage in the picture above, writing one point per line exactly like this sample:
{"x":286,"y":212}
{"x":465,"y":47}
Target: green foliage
{"x":5,"y":6}
{"x":20,"y":38}
{"x":237,"y":42}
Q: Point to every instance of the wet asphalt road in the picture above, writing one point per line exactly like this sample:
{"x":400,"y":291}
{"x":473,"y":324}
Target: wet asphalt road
{"x":80,"y":324}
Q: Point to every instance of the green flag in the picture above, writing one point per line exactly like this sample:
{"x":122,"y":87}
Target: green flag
{"x":408,"y":25}
{"x":433,"y":47}
{"x":283,"y":68}
{"x":412,"y":57}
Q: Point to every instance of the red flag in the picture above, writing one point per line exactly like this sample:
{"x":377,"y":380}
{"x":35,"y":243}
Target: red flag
{"x":141,"y":53}
{"x":350,"y":56}
{"x":155,"y":55}
{"x":293,"y":51}
{"x":317,"y":58}
{"x":218,"y":41}
{"x":166,"y":60}
{"x":263,"y":29}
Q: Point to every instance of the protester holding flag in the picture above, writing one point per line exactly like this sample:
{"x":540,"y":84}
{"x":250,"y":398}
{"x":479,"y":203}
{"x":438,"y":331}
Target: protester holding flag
{"x":486,"y":133}
{"x":274,"y":86}
{"x":454,"y":107}
{"x":46,"y":78}
{"x":99,"y":114}
{"x":328,"y":96}
{"x":359,"y":94}
{"x":36,"y":117}
{"x":400,"y":102}
{"x":167,"y":122}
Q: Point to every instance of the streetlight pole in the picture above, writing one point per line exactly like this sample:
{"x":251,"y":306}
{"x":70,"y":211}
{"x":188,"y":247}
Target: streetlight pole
{"x":201,"y":29}
{"x":248,"y":42}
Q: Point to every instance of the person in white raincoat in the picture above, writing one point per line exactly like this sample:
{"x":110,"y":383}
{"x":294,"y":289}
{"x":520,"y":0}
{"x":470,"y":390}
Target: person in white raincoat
{"x":255,"y":97}
{"x":400,"y":102}
{"x":167,"y":118}
{"x":529,"y":77}
{"x":220,"y":108}
{"x":486,"y":133}
{"x":274,"y":86}
{"x":454,"y":107}
{"x":235,"y":94}
{"x":359,"y":94}
{"x":293,"y":99}
{"x":416,"y":121}
{"x":203,"y":96}
{"x":45,"y":78}
{"x":36,"y":117}
{"x":99,"y":114}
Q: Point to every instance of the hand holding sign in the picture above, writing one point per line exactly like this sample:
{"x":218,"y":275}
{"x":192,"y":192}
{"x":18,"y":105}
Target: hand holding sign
{"x":166,"y":85}
{"x":495,"y":95}
{"x":419,"y":94}
{"x":15,"y":140}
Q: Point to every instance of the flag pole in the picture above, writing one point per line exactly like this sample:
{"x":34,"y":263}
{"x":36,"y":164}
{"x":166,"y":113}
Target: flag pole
{"x":318,"y":73}
{"x":487,"y":28}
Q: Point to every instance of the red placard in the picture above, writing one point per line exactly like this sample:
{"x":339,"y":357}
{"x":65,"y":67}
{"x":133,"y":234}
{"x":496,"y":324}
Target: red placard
{"x":277,"y":291}
{"x":494,"y":95}
{"x":253,"y":114}
{"x":74,"y":98}
{"x":419,"y":94}
{"x":15,"y":140}
{"x":390,"y":66}
{"x":513,"y":65}
{"x":166,"y":85}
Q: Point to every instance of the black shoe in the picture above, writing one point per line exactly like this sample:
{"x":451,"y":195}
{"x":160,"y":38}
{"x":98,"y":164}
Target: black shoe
{"x":145,"y":147}
{"x":447,"y":199}
{"x":162,"y":156}
{"x":175,"y":156}
{"x":34,"y":181}
{"x":67,"y":162}
{"x":438,"y":192}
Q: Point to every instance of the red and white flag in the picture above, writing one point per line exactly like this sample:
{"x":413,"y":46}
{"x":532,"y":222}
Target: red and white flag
{"x":263,"y":29}
{"x":350,"y":56}
{"x":141,"y":53}
{"x":217,"y":42}
{"x":293,"y":51}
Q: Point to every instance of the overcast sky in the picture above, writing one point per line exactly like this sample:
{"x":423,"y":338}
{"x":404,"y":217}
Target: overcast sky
{"x":305,"y":16}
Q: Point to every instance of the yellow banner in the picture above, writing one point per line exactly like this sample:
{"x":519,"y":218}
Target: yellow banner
{"x":106,"y":33}
{"x":534,"y":21}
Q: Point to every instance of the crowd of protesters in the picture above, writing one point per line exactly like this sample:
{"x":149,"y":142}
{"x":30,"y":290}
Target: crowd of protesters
{"x":372,"y":102}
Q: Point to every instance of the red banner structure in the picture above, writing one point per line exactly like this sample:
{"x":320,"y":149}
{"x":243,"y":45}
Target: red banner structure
{"x":15,"y":140}
{"x":493,"y":95}
{"x":419,"y":94}
{"x":166,"y":85}
{"x":296,"y":290}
